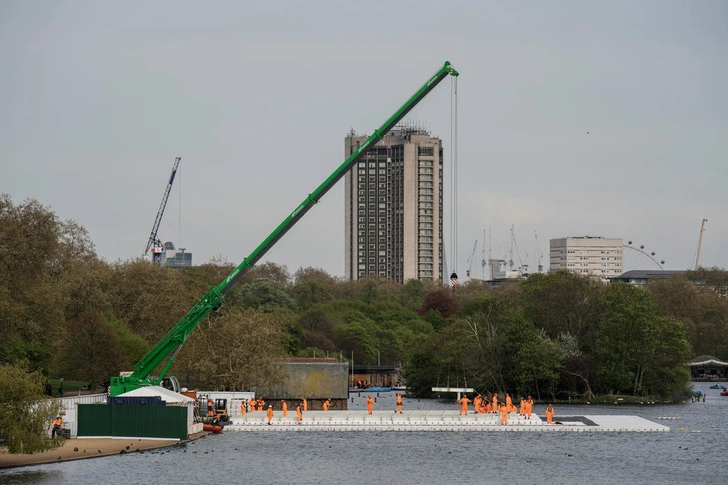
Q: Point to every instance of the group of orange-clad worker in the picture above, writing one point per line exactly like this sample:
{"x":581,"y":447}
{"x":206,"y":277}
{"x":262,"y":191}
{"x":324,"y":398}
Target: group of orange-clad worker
{"x":254,"y":404}
{"x":483,"y":405}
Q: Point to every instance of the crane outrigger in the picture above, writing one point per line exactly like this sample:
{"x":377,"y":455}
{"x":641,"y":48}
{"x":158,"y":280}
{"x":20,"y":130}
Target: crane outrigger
{"x":176,"y":337}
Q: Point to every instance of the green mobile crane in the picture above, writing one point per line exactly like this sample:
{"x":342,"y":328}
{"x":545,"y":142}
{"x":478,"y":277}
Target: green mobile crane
{"x":176,"y":337}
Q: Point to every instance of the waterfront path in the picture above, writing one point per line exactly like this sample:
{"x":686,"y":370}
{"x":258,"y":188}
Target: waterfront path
{"x":435,"y":420}
{"x":82,"y":448}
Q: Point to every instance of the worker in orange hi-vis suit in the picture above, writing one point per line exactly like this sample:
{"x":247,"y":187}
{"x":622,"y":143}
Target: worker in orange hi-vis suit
{"x":260,"y":403}
{"x":495,"y":402}
{"x":305,"y":404}
{"x":270,"y":413}
{"x":326,"y":404}
{"x":299,"y":414}
{"x":284,"y":406}
{"x":550,"y":414}
{"x":521,"y":409}
{"x":509,"y":403}
{"x":399,"y":404}
{"x":476,"y":404}
{"x":504,"y":413}
{"x":370,"y":404}
{"x":251,"y":404}
{"x":530,"y":406}
{"x":242,"y":407}
{"x":464,"y":401}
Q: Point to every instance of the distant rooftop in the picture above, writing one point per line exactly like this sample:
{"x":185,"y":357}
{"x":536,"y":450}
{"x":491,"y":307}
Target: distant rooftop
{"x":638,"y":276}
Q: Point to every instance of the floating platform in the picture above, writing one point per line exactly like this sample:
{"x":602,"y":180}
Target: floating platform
{"x":434,"y":420}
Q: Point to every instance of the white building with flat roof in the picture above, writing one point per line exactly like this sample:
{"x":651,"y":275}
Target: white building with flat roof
{"x":587,"y":256}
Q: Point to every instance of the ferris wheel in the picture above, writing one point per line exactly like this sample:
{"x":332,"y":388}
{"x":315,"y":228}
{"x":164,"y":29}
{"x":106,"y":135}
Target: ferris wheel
{"x":639,"y":258}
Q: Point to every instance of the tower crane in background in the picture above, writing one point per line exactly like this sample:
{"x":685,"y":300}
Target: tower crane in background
{"x":470,"y":260}
{"x":522,"y":266}
{"x":700,"y":242}
{"x":482,"y":260}
{"x":154,"y":243}
{"x":539,"y":253}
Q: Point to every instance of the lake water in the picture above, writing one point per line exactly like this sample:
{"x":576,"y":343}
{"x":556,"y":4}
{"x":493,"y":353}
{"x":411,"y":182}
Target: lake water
{"x":697,"y":454}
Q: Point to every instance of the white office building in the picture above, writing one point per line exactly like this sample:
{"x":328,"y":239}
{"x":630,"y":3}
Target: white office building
{"x":588,"y":256}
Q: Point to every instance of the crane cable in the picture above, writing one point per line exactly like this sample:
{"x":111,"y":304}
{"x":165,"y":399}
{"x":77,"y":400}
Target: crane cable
{"x":454,"y":178}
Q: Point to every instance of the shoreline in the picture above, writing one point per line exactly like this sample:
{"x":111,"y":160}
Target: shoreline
{"x":85,"y":448}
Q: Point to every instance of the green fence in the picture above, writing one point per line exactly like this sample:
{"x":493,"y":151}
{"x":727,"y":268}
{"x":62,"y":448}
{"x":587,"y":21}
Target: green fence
{"x":132,"y":421}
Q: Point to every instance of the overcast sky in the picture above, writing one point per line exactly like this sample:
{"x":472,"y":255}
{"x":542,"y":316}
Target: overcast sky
{"x":575,"y":118}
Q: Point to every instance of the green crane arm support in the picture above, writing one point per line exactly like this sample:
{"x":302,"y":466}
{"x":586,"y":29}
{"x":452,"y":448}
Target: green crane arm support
{"x":172,"y":342}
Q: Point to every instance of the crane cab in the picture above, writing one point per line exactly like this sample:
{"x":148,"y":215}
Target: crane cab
{"x":171,"y":383}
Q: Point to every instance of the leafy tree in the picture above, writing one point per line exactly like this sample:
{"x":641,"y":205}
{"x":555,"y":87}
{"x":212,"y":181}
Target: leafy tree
{"x":413,"y":293}
{"x":472,"y":289}
{"x":435,"y":319}
{"x":235,"y":350}
{"x":271,"y":271}
{"x":134,"y":348}
{"x":633,"y":341}
{"x":25,"y":412}
{"x":16,"y":349}
{"x":577,"y":373}
{"x":676,"y":297}
{"x":356,"y":338}
{"x":709,"y":333}
{"x":369,"y":291}
{"x":29,"y":240}
{"x":31,"y":302}
{"x":317,"y":328}
{"x":91,"y":350}
{"x":214,"y":271}
{"x":662,"y":364}
{"x":710,"y":280}
{"x":309,"y":293}
{"x":485,"y":356}
{"x":440,"y":301}
{"x":304,"y":275}
{"x":150,"y":298}
{"x":74,"y":246}
{"x":472,"y":348}
{"x":266,"y":295}
{"x":86,"y":286}
{"x":420,"y":370}
{"x":536,"y":362}
{"x":562,"y":302}
{"x":703,"y":313}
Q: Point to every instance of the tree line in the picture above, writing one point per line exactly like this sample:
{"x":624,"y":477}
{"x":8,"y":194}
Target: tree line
{"x":67,"y":313}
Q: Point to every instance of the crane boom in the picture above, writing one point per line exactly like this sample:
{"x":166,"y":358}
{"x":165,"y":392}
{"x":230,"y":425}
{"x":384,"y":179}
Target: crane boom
{"x":470,"y":259}
{"x":176,"y":337}
{"x":153,"y":239}
{"x":700,"y":243}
